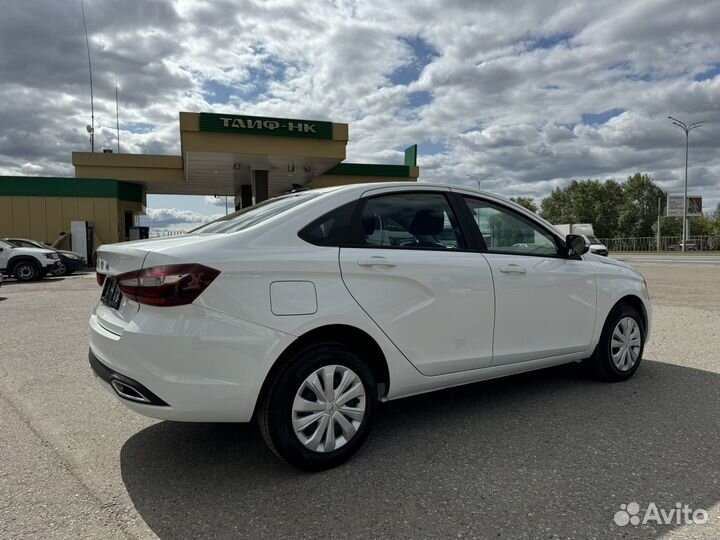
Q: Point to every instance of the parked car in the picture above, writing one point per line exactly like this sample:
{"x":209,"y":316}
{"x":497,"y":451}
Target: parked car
{"x":303,"y":312}
{"x":689,"y":246}
{"x":69,"y":260}
{"x":26,"y":264}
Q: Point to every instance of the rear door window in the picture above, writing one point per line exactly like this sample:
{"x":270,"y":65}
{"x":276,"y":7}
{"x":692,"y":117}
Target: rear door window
{"x":409,"y":221}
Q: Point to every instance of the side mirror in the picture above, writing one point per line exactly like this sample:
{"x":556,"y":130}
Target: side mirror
{"x":576,"y":245}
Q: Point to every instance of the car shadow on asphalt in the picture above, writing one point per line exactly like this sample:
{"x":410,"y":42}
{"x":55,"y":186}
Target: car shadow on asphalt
{"x":544,"y":454}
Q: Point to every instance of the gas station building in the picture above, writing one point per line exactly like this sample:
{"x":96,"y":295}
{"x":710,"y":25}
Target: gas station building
{"x":247,"y":157}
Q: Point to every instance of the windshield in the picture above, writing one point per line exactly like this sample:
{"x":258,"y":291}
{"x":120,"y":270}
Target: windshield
{"x":247,"y":217}
{"x":6,"y":244}
{"x":593,"y":239}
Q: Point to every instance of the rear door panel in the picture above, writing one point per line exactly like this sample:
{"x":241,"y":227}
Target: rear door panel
{"x":416,"y":279}
{"x":436,"y":307}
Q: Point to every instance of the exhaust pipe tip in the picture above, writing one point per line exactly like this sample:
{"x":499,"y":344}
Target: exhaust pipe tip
{"x":126,"y":391}
{"x":124,"y":387}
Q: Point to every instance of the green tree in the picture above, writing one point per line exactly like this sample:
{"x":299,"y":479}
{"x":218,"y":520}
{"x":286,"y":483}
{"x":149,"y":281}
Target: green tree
{"x":639,"y":209}
{"x":716,"y":214}
{"x":715,"y":219}
{"x":707,"y":225}
{"x":614,"y":209}
{"x":527,"y":202}
{"x":589,"y":201}
{"x":701,"y":226}
{"x":669,"y":226}
{"x":556,"y":207}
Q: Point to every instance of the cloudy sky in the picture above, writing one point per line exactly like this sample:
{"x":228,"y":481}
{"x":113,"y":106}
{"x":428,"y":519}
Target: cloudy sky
{"x":528,"y":94}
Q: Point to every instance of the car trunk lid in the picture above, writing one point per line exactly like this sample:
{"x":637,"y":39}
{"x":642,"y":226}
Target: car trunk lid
{"x":114,"y":311}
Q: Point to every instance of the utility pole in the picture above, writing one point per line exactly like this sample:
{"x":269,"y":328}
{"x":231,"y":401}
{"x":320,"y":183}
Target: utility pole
{"x":91,"y":127}
{"x":117,"y":115}
{"x":658,"y":230}
{"x":687,"y":129}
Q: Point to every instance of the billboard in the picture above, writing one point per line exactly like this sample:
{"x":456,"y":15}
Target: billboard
{"x":675,"y":206}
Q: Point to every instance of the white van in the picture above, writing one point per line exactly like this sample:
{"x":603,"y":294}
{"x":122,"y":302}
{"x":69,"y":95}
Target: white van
{"x":585,"y":229}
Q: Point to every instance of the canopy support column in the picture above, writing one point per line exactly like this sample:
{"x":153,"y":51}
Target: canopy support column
{"x":260,"y":185}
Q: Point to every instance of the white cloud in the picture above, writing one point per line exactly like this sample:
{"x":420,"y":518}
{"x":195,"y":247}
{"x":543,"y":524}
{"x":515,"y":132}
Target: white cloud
{"x":508,"y":83}
{"x":220,"y":201}
{"x":172,"y":218}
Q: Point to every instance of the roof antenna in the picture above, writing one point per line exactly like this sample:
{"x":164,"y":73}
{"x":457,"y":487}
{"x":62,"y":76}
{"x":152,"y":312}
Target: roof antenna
{"x":117,"y":114}
{"x":91,"y":127}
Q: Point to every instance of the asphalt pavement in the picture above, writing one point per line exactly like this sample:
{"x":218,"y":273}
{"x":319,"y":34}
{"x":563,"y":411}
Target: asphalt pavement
{"x":550,"y":454}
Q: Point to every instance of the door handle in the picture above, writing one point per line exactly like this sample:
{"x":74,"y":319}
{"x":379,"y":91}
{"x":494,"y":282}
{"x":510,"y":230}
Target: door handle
{"x":512,"y":269}
{"x":375,"y":261}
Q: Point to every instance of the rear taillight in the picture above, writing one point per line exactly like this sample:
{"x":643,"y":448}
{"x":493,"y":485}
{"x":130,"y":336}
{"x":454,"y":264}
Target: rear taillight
{"x":172,"y":285}
{"x":100,"y":279}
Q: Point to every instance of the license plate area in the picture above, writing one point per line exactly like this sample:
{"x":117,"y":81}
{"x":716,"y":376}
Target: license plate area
{"x":111,"y":293}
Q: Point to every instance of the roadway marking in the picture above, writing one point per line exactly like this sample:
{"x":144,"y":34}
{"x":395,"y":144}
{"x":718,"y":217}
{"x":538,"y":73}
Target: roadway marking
{"x":670,"y":260}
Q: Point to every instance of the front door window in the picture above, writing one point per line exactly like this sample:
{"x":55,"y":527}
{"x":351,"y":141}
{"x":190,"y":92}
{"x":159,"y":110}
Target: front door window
{"x":507,"y":232}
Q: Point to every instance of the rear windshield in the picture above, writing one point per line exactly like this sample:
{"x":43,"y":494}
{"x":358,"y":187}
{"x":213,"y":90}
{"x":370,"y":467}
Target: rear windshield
{"x":247,"y":217}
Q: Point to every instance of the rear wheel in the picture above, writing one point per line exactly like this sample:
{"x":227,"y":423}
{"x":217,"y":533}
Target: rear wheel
{"x":319,"y":409}
{"x":26,"y":271}
{"x":619,"y":352}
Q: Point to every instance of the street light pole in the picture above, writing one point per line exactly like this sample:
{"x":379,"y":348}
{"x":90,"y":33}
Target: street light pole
{"x":687,"y":129}
{"x":658,"y":227}
{"x":477,"y":180}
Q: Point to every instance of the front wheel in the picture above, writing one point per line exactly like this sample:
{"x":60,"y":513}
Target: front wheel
{"x":318,"y":411}
{"x":60,"y":270}
{"x":26,"y":271}
{"x":619,"y":352}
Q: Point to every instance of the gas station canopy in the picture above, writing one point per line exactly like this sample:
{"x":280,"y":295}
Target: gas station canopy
{"x":249,"y":157}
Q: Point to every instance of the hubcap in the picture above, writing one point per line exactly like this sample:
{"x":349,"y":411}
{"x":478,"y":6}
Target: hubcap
{"x":328,"y":408}
{"x":25,"y":271}
{"x":625,"y":344}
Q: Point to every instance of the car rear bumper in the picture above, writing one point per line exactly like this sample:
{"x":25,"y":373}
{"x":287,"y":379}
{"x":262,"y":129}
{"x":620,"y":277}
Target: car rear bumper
{"x":199,"y":366}
{"x":124,"y":387}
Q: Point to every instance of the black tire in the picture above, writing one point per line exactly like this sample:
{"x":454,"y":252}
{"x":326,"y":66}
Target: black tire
{"x":60,"y":270}
{"x":601,"y":363}
{"x":275,"y":414}
{"x":26,"y":270}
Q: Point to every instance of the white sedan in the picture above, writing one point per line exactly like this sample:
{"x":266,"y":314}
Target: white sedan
{"x":304,"y":311}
